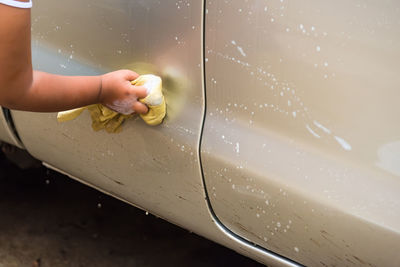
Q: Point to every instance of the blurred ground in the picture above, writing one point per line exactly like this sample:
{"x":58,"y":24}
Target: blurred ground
{"x":47,"y":219}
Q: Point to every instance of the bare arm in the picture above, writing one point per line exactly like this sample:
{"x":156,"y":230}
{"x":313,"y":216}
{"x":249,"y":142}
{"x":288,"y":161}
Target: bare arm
{"x":25,"y":89}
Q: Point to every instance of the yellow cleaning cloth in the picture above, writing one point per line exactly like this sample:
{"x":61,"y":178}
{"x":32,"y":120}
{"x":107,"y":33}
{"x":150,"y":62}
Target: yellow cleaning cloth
{"x":111,"y":121}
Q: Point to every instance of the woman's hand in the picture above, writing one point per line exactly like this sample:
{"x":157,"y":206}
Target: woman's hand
{"x":117,"y":93}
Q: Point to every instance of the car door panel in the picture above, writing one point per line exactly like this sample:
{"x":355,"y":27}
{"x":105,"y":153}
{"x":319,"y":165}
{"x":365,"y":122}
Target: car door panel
{"x":301,"y":138}
{"x":155,"y":168}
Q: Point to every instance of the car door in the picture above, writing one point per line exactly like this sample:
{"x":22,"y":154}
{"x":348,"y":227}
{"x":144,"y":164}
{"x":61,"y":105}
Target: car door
{"x":301,"y":141}
{"x":156,"y":168}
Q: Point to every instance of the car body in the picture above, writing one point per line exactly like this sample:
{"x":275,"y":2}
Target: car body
{"x":282,"y":135}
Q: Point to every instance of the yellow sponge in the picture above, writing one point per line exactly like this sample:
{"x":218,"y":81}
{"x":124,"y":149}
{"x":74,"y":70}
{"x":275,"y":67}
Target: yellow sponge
{"x":111,"y":121}
{"x":154,"y":99}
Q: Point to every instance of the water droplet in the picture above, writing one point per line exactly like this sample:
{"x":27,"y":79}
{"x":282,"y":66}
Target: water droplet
{"x":237,"y":148}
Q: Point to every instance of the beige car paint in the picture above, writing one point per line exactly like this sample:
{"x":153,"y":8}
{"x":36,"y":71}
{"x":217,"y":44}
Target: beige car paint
{"x":155,"y":168}
{"x":301,"y":143}
{"x":308,"y":168}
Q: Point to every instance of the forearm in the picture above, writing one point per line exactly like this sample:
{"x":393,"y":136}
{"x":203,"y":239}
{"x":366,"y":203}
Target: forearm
{"x":50,"y":92}
{"x":45,"y":92}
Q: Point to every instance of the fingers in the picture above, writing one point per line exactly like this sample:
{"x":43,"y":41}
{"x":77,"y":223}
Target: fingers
{"x":131,"y":75}
{"x":139,"y":107}
{"x":140,"y":91}
{"x":122,"y":95}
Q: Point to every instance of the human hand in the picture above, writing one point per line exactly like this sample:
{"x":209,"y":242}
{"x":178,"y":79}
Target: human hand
{"x":118,"y":94}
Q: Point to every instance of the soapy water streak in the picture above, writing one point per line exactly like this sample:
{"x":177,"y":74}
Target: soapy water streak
{"x":315,"y":128}
{"x":239,"y":48}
